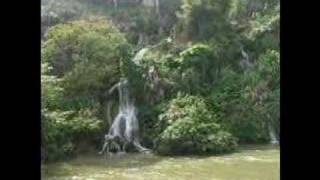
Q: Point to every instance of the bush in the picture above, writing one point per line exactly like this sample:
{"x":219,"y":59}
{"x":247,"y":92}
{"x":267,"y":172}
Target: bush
{"x":95,"y":41}
{"x":51,"y":90}
{"x":86,"y":55}
{"x":198,"y":66}
{"x":187,"y":126}
{"x":63,"y":129}
{"x":249,"y":102}
{"x":203,"y":19}
{"x":80,"y":62}
{"x":191,"y":70}
{"x":239,"y":113}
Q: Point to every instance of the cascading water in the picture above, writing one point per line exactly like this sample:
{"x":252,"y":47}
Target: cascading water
{"x":273,"y":137}
{"x":126,"y":124}
{"x":245,"y":62}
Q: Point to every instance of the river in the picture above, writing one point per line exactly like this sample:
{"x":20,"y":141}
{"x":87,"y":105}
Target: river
{"x":253,"y":162}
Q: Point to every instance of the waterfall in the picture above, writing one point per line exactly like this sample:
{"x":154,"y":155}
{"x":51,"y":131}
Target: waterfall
{"x":272,"y":134}
{"x":245,"y":61}
{"x":126,"y":125}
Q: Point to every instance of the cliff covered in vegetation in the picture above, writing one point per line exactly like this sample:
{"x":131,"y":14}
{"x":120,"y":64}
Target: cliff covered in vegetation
{"x":208,"y":79}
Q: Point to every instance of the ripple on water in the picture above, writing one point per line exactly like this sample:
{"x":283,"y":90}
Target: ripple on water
{"x":252,"y":164}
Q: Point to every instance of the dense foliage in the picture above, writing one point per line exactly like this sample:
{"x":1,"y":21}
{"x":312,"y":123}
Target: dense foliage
{"x":216,"y":61}
{"x":81,"y":62}
{"x":188,"y":126}
{"x":61,"y":129}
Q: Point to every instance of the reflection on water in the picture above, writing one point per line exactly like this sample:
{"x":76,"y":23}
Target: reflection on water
{"x":249,"y":163}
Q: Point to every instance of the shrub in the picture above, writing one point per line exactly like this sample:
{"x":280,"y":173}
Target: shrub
{"x":62,"y":130}
{"x":94,"y":41}
{"x":84,"y":58}
{"x":187,"y":126}
{"x":249,"y":102}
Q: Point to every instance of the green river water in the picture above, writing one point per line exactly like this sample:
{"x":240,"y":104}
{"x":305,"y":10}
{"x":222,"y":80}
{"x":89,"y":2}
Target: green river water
{"x":258,"y":162}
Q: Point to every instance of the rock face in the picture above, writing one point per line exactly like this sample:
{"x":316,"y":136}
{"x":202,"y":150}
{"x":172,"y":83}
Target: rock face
{"x":148,"y":2}
{"x":152,"y":3}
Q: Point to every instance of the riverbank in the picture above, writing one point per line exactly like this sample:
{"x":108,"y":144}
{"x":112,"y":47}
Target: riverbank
{"x":250,"y":162}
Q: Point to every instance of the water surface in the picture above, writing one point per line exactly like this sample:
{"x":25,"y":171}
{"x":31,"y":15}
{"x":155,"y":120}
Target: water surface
{"x":249,"y":163}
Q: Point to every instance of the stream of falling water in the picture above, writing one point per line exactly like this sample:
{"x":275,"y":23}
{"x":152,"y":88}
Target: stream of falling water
{"x":126,"y":124}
